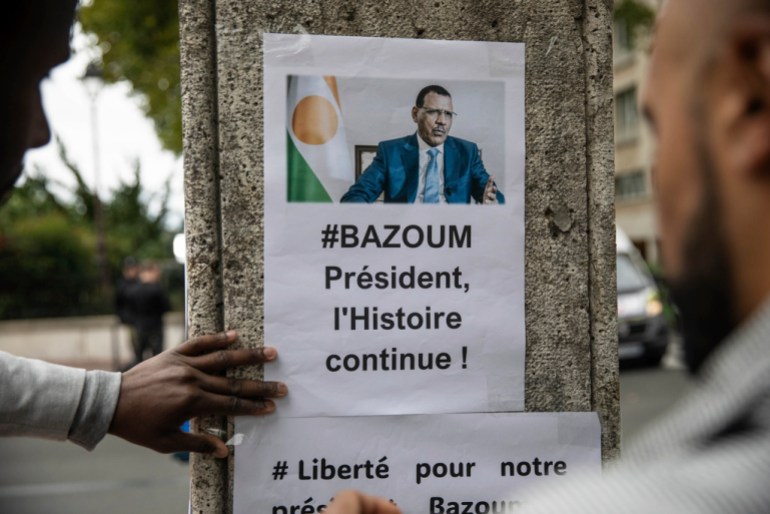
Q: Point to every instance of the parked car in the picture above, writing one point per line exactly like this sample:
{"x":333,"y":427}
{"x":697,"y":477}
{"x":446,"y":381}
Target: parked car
{"x":643,"y":331}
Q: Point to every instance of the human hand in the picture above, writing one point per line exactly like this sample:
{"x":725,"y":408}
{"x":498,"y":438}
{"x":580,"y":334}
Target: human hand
{"x":490,"y":191}
{"x":158,"y":395}
{"x":353,"y":502}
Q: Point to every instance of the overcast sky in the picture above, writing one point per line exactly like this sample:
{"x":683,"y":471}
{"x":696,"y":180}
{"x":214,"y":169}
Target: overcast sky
{"x":124,"y":133}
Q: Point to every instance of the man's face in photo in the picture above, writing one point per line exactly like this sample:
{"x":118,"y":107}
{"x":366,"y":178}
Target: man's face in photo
{"x":434,"y":118}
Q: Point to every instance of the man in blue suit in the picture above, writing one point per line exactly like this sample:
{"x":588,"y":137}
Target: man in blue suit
{"x":429,"y":166}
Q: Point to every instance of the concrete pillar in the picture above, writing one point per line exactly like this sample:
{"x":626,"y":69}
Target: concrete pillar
{"x":570,"y":231}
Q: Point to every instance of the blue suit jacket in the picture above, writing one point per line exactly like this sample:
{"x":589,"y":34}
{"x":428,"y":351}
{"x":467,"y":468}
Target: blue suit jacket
{"x":395,"y":171}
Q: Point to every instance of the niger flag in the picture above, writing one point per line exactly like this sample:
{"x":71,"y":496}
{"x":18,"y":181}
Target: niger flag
{"x":318,"y":158}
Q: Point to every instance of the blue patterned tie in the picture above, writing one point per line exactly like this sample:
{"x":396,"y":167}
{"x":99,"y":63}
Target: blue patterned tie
{"x":431,"y":179}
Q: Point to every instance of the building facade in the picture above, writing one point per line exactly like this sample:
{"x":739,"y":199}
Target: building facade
{"x":634,"y":193}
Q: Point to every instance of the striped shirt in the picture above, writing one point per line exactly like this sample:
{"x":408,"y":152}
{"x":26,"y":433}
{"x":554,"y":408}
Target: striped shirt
{"x":711,"y":454}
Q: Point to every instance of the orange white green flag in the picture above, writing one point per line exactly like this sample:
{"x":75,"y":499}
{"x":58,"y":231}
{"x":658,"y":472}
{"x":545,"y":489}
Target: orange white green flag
{"x":318,"y":158}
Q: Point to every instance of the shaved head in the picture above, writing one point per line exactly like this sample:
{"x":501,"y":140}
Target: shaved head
{"x":706,"y":23}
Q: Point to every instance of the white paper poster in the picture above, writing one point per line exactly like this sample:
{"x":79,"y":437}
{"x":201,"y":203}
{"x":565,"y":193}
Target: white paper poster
{"x":438,"y":464}
{"x":394,"y":283}
{"x":394,"y":306}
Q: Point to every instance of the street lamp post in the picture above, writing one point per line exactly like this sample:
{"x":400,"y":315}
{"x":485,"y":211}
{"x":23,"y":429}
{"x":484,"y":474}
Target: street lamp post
{"x":93,"y":81}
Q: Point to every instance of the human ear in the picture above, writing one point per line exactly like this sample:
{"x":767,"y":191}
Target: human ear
{"x":414,"y":114}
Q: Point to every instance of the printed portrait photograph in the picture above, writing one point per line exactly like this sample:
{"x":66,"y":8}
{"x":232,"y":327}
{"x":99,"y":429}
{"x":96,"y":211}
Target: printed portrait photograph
{"x":390,"y":140}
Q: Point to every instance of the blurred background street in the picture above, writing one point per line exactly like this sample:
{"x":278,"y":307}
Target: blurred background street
{"x":648,"y":391}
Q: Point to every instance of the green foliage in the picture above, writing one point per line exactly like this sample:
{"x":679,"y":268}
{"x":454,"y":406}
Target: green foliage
{"x":31,"y":199}
{"x":139,"y":41}
{"x":48,"y":251}
{"x":133,"y":230}
{"x":130,"y":228}
{"x":46,"y":259}
{"x":637,"y":16}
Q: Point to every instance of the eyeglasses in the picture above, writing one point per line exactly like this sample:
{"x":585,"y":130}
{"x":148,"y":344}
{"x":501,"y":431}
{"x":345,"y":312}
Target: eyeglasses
{"x":435,"y":113}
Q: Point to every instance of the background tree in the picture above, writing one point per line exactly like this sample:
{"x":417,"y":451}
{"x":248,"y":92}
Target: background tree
{"x":131,"y":227}
{"x":46,"y":256}
{"x":637,"y":18}
{"x":48,"y":246}
{"x":139,"y":42}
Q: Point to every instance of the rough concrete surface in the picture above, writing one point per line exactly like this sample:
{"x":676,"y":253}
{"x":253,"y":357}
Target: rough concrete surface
{"x":202,"y":218}
{"x":569,"y":215}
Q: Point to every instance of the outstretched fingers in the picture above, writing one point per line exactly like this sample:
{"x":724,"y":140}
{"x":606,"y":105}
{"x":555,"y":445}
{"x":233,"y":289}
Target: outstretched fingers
{"x":250,"y":389}
{"x":212,"y":404}
{"x":225,"y":359}
{"x":207,"y":343}
{"x":211,"y":353}
{"x":198,"y":443}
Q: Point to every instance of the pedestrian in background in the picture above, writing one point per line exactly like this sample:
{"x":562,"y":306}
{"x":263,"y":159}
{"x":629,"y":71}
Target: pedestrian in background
{"x":124,"y":307}
{"x":149,"y":302}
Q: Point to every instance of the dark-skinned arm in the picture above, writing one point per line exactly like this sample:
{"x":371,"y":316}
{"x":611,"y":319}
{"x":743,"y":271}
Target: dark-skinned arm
{"x":160,"y":394}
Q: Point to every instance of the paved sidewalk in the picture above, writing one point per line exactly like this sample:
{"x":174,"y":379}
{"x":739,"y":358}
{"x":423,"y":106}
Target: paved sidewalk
{"x":51,"y":477}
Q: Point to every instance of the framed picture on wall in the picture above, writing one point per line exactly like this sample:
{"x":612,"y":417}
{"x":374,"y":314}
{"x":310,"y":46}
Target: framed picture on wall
{"x":364,"y":157}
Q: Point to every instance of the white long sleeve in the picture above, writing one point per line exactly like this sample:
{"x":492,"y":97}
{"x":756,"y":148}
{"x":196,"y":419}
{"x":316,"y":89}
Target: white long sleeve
{"x":39,"y":399}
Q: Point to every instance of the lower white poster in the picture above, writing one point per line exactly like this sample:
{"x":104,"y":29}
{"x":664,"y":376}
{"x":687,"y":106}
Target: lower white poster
{"x":446,"y":463}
